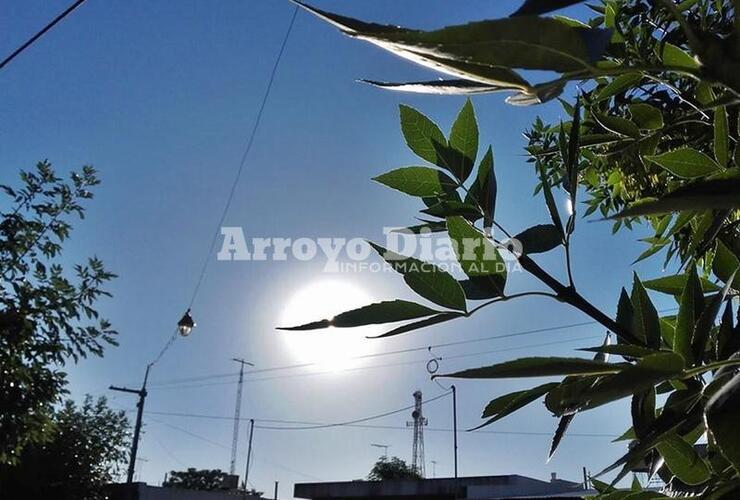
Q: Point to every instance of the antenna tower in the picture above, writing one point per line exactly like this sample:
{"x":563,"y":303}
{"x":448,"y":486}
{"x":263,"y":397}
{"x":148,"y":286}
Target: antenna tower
{"x":417,"y":453}
{"x":237,"y":412}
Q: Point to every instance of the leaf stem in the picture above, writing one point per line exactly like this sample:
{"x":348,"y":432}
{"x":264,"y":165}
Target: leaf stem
{"x":569,"y":295}
{"x":504,"y":298}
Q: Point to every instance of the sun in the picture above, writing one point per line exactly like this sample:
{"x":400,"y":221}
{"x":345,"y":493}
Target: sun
{"x":330,"y":349}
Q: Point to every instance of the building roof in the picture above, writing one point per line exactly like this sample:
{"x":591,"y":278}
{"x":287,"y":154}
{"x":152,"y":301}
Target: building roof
{"x":479,"y":487}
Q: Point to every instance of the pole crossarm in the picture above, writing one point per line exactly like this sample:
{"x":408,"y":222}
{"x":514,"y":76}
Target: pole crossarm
{"x":126,"y":389}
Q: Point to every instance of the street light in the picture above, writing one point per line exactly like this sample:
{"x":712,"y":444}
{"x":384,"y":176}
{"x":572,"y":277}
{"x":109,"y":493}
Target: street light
{"x":186,"y":324}
{"x":184,"y":327}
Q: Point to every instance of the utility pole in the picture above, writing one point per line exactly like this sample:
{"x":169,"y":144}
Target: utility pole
{"x":137,"y":428}
{"x":237,"y":412}
{"x":249,"y":455}
{"x":454,"y":424}
{"x":276,"y":488}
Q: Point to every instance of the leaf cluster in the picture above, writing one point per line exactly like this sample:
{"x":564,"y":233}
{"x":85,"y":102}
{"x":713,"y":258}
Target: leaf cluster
{"x":47,"y":316}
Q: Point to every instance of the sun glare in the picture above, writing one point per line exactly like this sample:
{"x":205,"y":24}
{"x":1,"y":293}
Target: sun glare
{"x":331,"y":349}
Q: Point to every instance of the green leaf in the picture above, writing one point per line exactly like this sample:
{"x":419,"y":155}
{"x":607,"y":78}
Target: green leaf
{"x":434,"y":320}
{"x":495,"y":76}
{"x":550,"y":202}
{"x":617,"y":125}
{"x":571,"y":163}
{"x":728,"y":337}
{"x":477,"y":255}
{"x":426,"y":279}
{"x":721,"y":417}
{"x":464,"y":142}
{"x":646,"y":117}
{"x":537,"y":7}
{"x":643,"y":411}
{"x":563,"y":425}
{"x":449,"y":208}
{"x":705,"y":322}
{"x":625,"y":350}
{"x":675,"y":56}
{"x":484,"y":189}
{"x":426,"y":227}
{"x":444,"y":87}
{"x":690,"y":308}
{"x":683,"y":460}
{"x":560,"y":399}
{"x":519,"y":42}
{"x":725,"y":263}
{"x":721,"y":136}
{"x":646,"y":323}
{"x":509,"y":403}
{"x":539,"y":239}
{"x":539,"y":367}
{"x":481,"y":288}
{"x":421,"y":134}
{"x":646,"y":373}
{"x":719,"y":192}
{"x":418,"y":181}
{"x":686,"y":163}
{"x":625,"y":311}
{"x":618,"y":85}
{"x":373,"y":314}
{"x":674,"y":285}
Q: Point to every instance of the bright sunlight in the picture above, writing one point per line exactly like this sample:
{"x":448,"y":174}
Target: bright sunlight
{"x":332,"y":349}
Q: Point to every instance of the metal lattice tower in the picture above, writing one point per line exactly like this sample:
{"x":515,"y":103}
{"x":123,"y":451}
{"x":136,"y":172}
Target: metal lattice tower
{"x":417,"y":453}
{"x":237,"y":412}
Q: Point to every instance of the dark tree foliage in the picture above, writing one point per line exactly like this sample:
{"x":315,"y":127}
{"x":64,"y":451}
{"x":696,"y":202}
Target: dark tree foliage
{"x":85,"y":449}
{"x":47,"y":317}
{"x":392,"y":468}
{"x":195,"y":479}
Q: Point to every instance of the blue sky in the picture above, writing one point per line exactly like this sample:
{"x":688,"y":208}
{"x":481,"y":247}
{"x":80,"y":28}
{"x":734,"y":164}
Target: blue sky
{"x":160,"y":97}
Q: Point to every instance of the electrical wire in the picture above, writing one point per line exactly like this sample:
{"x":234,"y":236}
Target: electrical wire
{"x":220,"y":445}
{"x":308,"y":425}
{"x":350,"y":422}
{"x":41,"y":33}
{"x":235,"y":183}
{"x":185,"y":431}
{"x":243,"y":161}
{"x":386,"y":353}
{"x":389,"y":353}
{"x":318,"y":425}
{"x":384,"y":365}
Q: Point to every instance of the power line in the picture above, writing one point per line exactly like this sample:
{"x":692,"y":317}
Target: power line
{"x":235,"y":183}
{"x":390,"y":353}
{"x":384,"y":365}
{"x":350,"y":422}
{"x":220,"y":445}
{"x":386,"y":353}
{"x":318,"y":425}
{"x":305,"y":425}
{"x":243,"y":161}
{"x":41,"y":33}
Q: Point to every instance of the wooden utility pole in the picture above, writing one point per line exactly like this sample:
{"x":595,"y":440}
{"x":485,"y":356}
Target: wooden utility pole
{"x":137,"y":428}
{"x":249,"y":456}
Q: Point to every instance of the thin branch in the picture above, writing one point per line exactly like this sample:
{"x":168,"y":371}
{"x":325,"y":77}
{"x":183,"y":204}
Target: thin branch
{"x":504,"y":298}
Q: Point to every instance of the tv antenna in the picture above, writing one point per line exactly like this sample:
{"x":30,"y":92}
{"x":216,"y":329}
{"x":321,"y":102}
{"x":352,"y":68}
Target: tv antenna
{"x":417,"y":453}
{"x":237,"y":413}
